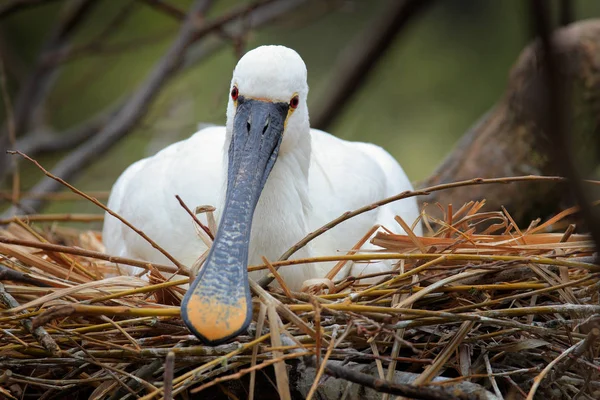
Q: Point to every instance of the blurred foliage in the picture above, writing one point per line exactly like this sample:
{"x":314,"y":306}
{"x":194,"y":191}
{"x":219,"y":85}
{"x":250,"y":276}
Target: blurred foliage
{"x":440,"y":76}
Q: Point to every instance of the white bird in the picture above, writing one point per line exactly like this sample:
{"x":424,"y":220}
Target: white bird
{"x":272,"y":179}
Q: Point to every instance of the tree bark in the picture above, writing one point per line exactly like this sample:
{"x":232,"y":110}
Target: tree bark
{"x":504,"y":142}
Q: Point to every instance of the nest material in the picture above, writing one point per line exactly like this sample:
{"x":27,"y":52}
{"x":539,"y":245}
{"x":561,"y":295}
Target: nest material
{"x":514,"y":312}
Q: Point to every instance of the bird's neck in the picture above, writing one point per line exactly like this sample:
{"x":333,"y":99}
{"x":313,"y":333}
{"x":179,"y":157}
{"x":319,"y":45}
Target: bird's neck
{"x":281,"y":215}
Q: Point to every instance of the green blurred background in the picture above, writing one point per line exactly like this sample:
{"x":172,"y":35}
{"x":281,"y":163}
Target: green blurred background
{"x":441,"y":74}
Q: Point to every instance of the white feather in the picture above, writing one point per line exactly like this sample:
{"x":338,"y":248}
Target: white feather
{"x":315,"y":179}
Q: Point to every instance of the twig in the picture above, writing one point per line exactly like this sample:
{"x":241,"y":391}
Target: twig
{"x":8,"y":274}
{"x":322,"y":364}
{"x":196,"y":220}
{"x":407,"y":194}
{"x":361,"y":55}
{"x":538,"y":379}
{"x":35,"y":91}
{"x":89,"y":253}
{"x":432,"y":370}
{"x":180,"y":266}
{"x":428,"y":392}
{"x":39,"y":333}
{"x":17,"y":5}
{"x":166,"y":8}
{"x":136,"y":106}
{"x":168,"y":376}
{"x":54,"y":218}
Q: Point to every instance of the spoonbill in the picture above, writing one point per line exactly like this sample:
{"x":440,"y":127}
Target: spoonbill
{"x":272,"y":179}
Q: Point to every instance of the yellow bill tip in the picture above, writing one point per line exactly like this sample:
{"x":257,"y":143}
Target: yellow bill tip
{"x":214,"y":320}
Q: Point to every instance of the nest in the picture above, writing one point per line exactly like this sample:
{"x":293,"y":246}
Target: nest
{"x":493,"y":309}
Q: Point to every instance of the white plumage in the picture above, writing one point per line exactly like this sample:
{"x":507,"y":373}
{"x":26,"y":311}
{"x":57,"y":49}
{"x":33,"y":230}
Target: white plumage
{"x":316,"y":178}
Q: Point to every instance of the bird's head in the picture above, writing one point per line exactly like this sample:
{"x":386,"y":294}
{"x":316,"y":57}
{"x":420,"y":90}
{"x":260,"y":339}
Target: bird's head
{"x":269,"y":86}
{"x":266,"y":116}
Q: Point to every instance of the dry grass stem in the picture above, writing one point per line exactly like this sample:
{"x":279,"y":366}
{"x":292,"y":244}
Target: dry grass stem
{"x":478,"y":299}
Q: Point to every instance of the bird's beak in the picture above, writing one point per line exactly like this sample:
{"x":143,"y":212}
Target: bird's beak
{"x":218,"y":304}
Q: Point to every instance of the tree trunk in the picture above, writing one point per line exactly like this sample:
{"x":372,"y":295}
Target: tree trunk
{"x":504,"y":142}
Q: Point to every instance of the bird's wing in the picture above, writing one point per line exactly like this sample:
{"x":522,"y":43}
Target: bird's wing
{"x":396,"y":182}
{"x":344,"y":176}
{"x":145,"y":195}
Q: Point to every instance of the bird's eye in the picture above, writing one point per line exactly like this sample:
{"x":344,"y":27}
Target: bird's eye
{"x":294,"y":102}
{"x":234,"y":93}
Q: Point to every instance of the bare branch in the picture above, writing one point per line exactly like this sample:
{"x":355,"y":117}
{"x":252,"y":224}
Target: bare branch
{"x":167,"y":8}
{"x":32,"y":96}
{"x":18,"y":5}
{"x":137,"y":105}
{"x":361,"y":56}
{"x":42,"y":141}
{"x":430,"y":392}
{"x":34,"y":93}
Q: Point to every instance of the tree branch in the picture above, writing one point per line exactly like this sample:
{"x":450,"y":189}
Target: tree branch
{"x":361,"y":56}
{"x":32,"y":96}
{"x":166,"y":8}
{"x":17,"y":5}
{"x":137,"y":105}
{"x":431,"y":392}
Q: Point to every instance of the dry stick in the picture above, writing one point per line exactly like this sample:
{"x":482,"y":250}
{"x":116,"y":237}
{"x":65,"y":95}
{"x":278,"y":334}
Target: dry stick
{"x":278,"y":277}
{"x":538,"y":379}
{"x":133,"y":109}
{"x":180,"y":266}
{"x":66,"y":259}
{"x":283,"y":309}
{"x":89,"y":253}
{"x":166,"y":8}
{"x":398,"y":334}
{"x":243,"y":372}
{"x":187,"y":379}
{"x":123,"y":332}
{"x":407,"y":194}
{"x":585,"y":345}
{"x":322,"y":365}
{"x":39,"y":333}
{"x":260,"y":322}
{"x":522,"y":295}
{"x":145,"y":289}
{"x":16,"y":5}
{"x":338,"y":267}
{"x":361,"y":55}
{"x":431,"y":256}
{"x":53,"y":218}
{"x":111,"y":371}
{"x":168,"y":376}
{"x":195,"y":218}
{"x":8,"y":274}
{"x":583,"y":310}
{"x":60,"y":196}
{"x":402,"y":389}
{"x":281,"y":375}
{"x":432,"y":370}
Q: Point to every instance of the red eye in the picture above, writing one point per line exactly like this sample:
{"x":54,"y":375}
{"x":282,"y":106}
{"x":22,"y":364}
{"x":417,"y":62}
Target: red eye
{"x":235,"y":93}
{"x":294,"y":102}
